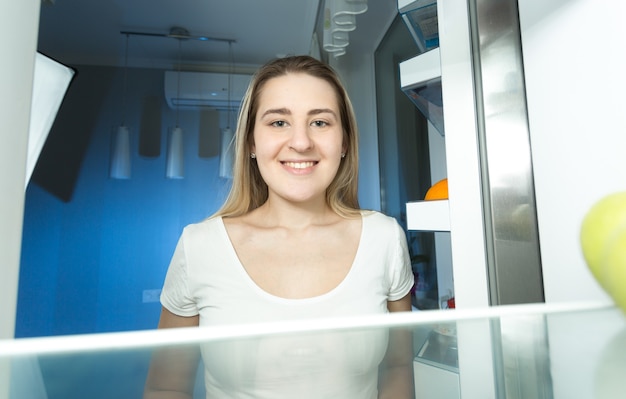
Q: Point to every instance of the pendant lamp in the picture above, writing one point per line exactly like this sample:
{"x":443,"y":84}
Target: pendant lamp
{"x":339,"y":20}
{"x":120,"y":160}
{"x":227,"y":150}
{"x":120,"y":156}
{"x":175,"y":156}
{"x":175,"y":151}
{"x":227,"y":153}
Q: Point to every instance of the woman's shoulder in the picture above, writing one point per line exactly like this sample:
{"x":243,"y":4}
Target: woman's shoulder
{"x":381,"y":225}
{"x":379,"y":219}
{"x":211,"y":224}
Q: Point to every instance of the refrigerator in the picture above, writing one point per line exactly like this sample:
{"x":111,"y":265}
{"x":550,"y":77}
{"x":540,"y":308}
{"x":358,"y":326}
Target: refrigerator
{"x":567,"y":131}
{"x":529,"y":112}
{"x":529,"y":107}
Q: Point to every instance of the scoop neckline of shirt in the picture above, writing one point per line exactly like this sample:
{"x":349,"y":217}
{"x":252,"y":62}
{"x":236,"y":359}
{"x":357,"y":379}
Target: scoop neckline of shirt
{"x":242,"y":270}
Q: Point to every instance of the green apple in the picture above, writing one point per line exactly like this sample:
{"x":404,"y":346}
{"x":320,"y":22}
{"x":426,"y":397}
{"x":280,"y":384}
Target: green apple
{"x":603,"y":240}
{"x":613,"y":270}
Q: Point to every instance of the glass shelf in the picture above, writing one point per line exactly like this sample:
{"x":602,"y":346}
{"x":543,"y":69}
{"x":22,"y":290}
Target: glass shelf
{"x":559,"y":350}
{"x":420,"y":80}
{"x":420,"y":17}
{"x":440,"y":349}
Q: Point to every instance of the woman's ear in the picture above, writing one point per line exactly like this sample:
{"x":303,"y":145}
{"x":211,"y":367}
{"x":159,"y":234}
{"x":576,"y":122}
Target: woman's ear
{"x":250,"y":143}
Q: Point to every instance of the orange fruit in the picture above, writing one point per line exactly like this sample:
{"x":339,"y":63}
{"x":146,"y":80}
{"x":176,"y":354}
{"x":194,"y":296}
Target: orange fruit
{"x":438,"y":191}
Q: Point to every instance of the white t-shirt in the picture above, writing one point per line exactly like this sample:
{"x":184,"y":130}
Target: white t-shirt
{"x":205,"y":277}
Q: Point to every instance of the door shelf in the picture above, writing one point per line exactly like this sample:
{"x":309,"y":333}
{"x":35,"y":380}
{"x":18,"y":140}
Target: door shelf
{"x":428,"y":215}
{"x":420,"y":69}
{"x":420,"y":17}
{"x":420,"y":80}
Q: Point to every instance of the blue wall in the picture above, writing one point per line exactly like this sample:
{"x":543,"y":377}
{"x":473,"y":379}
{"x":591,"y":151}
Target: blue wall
{"x":86,"y":262}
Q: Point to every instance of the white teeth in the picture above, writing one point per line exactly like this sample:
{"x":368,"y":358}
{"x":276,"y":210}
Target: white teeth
{"x":299,"y":165}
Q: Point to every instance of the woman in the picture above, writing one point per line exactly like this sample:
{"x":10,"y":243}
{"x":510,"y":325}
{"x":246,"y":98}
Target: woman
{"x":290,"y":242}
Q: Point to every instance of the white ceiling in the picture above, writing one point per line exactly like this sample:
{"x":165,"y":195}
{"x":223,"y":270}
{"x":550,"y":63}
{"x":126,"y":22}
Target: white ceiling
{"x":88,"y":31}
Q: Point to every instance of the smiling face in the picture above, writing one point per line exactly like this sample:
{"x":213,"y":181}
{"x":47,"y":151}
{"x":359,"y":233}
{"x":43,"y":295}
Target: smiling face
{"x":298,"y":137}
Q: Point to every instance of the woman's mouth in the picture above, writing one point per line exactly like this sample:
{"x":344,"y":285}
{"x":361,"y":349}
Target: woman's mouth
{"x":299,"y":165}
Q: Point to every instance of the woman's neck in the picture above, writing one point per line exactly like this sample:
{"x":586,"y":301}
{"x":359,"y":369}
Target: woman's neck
{"x":276,"y":212}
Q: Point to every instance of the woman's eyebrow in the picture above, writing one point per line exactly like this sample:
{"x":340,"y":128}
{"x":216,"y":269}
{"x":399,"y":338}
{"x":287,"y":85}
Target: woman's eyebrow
{"x":318,"y":111}
{"x":286,"y":111}
{"x":280,"y":111}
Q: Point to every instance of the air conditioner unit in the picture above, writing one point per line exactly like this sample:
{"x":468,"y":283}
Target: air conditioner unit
{"x":204,"y":90}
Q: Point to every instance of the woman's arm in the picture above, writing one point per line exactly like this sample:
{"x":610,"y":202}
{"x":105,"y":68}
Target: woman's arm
{"x":173,"y":369}
{"x":396,"y":369}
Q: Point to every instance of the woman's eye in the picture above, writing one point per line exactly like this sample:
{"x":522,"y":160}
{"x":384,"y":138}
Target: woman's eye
{"x":320,"y":123}
{"x":278,"y":124}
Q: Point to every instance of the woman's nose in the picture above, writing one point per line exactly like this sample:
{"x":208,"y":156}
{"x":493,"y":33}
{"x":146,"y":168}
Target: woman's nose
{"x":300,"y":140}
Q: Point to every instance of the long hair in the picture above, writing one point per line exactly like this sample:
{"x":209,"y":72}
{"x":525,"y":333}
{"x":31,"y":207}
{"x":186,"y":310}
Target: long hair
{"x":248,"y":190}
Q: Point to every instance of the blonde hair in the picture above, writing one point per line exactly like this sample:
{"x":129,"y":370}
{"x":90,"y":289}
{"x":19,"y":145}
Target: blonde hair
{"x":248,"y":190}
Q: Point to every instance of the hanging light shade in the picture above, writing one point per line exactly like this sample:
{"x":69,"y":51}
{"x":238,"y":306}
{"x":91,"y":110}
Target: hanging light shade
{"x":339,"y":20}
{"x":175,"y":156}
{"x":227,"y":150}
{"x":227,"y":153}
{"x":120,"y":156}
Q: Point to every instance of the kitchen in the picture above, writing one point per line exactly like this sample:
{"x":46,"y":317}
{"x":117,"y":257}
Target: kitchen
{"x":558,"y":226}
